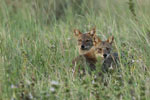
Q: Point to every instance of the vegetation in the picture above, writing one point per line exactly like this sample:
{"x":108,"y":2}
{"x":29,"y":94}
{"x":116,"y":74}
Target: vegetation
{"x":37,"y":47}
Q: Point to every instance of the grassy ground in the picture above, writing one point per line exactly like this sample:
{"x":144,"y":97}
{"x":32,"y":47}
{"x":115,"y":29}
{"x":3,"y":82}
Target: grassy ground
{"x":37,"y":46}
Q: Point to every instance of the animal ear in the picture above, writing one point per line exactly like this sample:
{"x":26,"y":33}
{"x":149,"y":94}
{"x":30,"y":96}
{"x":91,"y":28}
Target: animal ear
{"x":93,"y":31}
{"x":96,"y":40}
{"x":110,"y":39}
{"x":77,"y":32}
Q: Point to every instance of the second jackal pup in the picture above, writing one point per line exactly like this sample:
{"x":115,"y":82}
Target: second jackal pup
{"x":104,"y":50}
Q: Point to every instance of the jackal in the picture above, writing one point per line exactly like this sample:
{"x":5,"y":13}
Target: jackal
{"x":85,"y":40}
{"x":86,"y":51}
{"x":104,"y":50}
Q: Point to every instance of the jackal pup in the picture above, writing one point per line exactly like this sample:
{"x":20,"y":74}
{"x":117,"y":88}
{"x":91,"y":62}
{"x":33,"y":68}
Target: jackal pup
{"x":86,"y":51}
{"x":85,"y":40}
{"x":104,"y":50}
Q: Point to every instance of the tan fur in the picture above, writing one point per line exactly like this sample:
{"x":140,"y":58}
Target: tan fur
{"x":103,"y":49}
{"x":86,"y":55}
{"x":85,"y":39}
{"x":88,"y":59}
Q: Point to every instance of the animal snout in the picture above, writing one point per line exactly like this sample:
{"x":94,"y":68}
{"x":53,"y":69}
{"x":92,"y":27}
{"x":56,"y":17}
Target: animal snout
{"x":104,"y":55}
{"x":82,"y":47}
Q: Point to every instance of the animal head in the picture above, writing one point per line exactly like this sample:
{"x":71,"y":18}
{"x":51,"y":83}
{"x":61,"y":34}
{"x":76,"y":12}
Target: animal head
{"x":103,"y":48}
{"x":85,"y":40}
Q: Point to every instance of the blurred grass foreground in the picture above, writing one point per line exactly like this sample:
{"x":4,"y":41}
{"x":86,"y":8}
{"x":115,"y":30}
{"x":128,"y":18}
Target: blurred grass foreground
{"x":37,"y":46}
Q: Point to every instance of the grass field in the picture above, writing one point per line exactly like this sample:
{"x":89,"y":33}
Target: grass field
{"x":37,"y":46}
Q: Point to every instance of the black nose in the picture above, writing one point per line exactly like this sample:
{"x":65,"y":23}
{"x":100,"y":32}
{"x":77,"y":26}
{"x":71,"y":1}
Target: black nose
{"x":82,"y":47}
{"x":104,"y":55}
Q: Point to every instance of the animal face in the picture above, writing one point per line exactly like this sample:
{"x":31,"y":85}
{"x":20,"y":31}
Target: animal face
{"x":103,"y":48}
{"x":85,"y":41}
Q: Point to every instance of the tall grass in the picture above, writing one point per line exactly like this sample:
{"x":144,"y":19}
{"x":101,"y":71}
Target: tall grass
{"x":37,"y":47}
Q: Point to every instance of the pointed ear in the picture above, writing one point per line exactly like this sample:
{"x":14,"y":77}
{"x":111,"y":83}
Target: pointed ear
{"x":77,"y":32}
{"x":93,"y":32}
{"x":110,"y":39}
{"x":96,"y":40}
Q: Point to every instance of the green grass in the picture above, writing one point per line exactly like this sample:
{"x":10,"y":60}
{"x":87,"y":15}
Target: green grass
{"x":37,"y":47}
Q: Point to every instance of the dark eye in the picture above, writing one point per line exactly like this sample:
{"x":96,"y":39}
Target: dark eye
{"x":100,"y":49}
{"x":87,"y":40}
{"x":107,"y":48}
{"x":79,"y":40}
